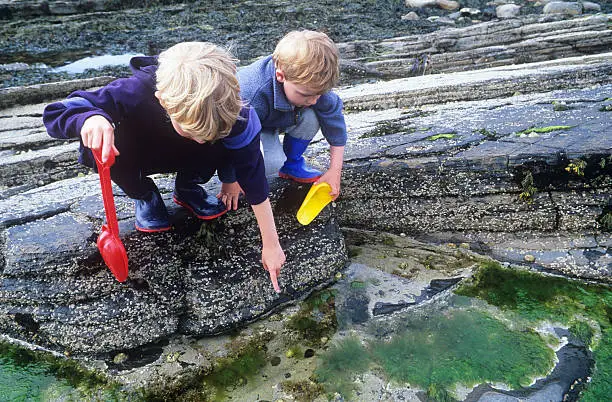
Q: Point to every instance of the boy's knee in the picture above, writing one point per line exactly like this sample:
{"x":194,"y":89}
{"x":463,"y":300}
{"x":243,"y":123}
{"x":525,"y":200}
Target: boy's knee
{"x":307,"y":126}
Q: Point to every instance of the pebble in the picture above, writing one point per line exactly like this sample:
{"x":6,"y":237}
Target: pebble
{"x":562,"y":7}
{"x":507,"y":11}
{"x":590,"y":6}
{"x":411,"y":16}
{"x":120,"y":358}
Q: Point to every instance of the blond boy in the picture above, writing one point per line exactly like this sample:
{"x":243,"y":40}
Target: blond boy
{"x":291,"y":92}
{"x":179,"y":112}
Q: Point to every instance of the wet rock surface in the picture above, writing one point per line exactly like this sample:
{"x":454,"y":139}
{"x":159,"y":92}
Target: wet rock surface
{"x":201,"y":279}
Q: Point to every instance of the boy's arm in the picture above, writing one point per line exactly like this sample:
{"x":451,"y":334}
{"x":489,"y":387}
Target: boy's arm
{"x":90,"y":116}
{"x":246,"y":158}
{"x":333,"y":175}
{"x":329,"y":112}
{"x":272,"y":255}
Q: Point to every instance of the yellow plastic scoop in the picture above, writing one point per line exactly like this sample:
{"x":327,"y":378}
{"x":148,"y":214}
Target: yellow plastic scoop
{"x":316,"y":199}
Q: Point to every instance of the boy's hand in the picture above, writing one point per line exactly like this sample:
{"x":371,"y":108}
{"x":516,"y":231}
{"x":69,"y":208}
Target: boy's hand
{"x":229,"y":194}
{"x":273,"y":259}
{"x":97,"y":133}
{"x":334,"y":173}
{"x":332,"y":177}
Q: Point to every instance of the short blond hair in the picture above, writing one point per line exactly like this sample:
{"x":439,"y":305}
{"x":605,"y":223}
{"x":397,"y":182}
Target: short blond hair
{"x":198,"y":88}
{"x":308,"y":58}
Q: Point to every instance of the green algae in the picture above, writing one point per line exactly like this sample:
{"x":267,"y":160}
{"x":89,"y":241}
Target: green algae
{"x":316,"y":318}
{"x":487,"y":133}
{"x":529,"y":190}
{"x":354,"y":251}
{"x":302,"y":391}
{"x":445,"y":136}
{"x":465,"y":345}
{"x":537,"y":297}
{"x":387,"y":240}
{"x":235,"y":370}
{"x":388,"y":128}
{"x":543,"y":130}
{"x":340,"y":363}
{"x":435,"y":352}
{"x":605,"y":220}
{"x":245,"y":359}
{"x":582,"y":331}
{"x":543,"y":298}
{"x":43,"y":376}
{"x":606,"y":108}
{"x":576,"y":166}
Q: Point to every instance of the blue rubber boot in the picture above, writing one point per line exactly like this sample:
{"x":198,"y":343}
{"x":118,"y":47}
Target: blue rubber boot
{"x":189,"y":194}
{"x":151,"y":213}
{"x":295,"y":167}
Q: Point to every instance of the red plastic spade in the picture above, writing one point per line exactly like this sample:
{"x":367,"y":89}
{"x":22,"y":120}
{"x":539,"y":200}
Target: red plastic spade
{"x":110,"y":245}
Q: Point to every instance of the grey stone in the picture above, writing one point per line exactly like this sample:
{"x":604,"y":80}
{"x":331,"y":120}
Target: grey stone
{"x":591,"y":6}
{"x":507,"y":11}
{"x":562,"y":7}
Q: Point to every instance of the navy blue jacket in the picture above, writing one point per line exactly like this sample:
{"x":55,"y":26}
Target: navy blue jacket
{"x":144,"y":132}
{"x":258,"y":86}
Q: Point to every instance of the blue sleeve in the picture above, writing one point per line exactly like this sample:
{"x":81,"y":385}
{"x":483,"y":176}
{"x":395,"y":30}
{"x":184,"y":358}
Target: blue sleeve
{"x":261,"y":103}
{"x":65,"y":119}
{"x":329,"y":111}
{"x":246,"y":157}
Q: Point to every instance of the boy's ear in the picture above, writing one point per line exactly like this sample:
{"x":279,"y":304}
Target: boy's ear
{"x":280,"y":76}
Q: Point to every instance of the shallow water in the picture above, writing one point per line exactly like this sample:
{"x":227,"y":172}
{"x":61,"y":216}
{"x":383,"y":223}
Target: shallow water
{"x":95,"y":62}
{"x":30,"y":382}
{"x":443,"y":348}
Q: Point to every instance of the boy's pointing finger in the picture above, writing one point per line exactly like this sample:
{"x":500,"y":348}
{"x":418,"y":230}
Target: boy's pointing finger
{"x":274,"y":279}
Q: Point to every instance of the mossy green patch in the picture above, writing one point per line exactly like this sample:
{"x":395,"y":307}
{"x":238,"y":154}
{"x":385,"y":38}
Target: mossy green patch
{"x":435,"y":352}
{"x":487,"y":133}
{"x":340,"y":363}
{"x":46,"y":375}
{"x":529,"y":190}
{"x":388,"y":128}
{"x":605,"y":220}
{"x":316,"y":318}
{"x":535,"y":296}
{"x":538,"y":298}
{"x":543,"y":130}
{"x":387,"y":240}
{"x":462,"y":346}
{"x":246,"y":357}
{"x":354,"y":251}
{"x":236,"y":369}
{"x":467,"y":345}
{"x":230,"y":371}
{"x":302,"y":391}
{"x":582,"y":331}
{"x":442,"y":136}
{"x":606,"y":108}
{"x":576,"y":166}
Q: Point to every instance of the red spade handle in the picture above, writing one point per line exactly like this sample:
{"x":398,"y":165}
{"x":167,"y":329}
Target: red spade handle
{"x":107,"y":190}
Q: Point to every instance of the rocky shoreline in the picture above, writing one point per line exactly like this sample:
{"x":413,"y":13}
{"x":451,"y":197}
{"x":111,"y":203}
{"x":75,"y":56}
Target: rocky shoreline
{"x":33,"y":43}
{"x":467,"y":156}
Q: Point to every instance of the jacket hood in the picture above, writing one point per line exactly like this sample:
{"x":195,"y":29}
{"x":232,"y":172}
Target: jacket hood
{"x":144,"y":67}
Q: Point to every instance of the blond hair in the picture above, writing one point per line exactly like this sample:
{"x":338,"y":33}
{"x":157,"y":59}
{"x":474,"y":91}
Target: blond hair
{"x":198,"y":88}
{"x":308,"y":58}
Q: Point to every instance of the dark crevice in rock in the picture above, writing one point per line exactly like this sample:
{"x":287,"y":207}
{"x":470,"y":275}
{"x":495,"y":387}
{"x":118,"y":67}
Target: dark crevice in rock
{"x":134,"y":358}
{"x":22,"y":220}
{"x":27,"y":322}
